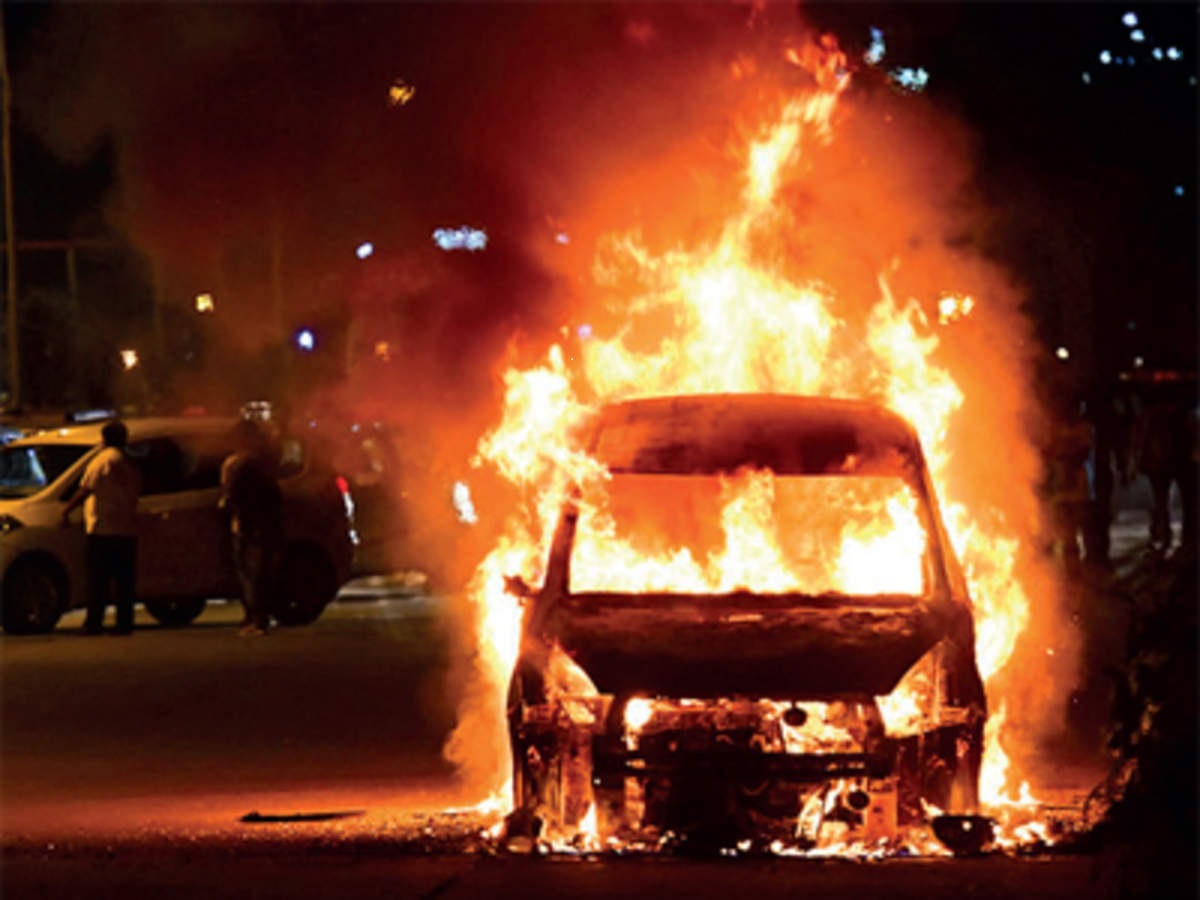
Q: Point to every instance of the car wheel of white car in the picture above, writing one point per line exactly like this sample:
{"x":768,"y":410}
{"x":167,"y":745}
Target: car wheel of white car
{"x":34,"y":597}
{"x":174,"y":612}
{"x":307,"y":584}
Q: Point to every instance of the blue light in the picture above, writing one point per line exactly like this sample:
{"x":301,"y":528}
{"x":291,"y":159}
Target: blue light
{"x":1087,"y":77}
{"x":1179,"y":192}
{"x":1137,"y":35}
{"x":306,"y":340}
{"x":877,"y":49}
{"x":1157,"y":53}
{"x":464,"y":238}
{"x":1105,"y":57}
{"x":910,"y":78}
{"x":1130,"y":19}
{"x":1174,"y":53}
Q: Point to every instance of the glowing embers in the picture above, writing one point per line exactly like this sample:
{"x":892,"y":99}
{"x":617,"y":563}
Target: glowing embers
{"x":765,"y":726}
{"x":752,"y":531}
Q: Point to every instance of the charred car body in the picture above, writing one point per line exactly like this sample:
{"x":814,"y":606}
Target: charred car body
{"x":822,"y":687}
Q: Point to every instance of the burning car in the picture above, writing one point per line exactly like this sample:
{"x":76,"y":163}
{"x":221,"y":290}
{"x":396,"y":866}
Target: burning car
{"x":751,"y":627}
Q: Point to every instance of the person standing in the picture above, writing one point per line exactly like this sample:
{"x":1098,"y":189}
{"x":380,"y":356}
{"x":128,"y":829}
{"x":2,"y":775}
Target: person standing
{"x":251,"y":497}
{"x":109,"y":492}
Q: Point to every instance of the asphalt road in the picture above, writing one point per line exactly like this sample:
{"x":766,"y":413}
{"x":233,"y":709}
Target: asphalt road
{"x":195,"y":726}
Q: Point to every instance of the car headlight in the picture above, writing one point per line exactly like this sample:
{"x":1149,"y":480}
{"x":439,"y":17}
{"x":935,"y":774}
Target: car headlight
{"x":8,"y":523}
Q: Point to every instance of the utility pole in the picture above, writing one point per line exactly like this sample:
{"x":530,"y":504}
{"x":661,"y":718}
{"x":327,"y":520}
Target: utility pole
{"x":10,"y":235}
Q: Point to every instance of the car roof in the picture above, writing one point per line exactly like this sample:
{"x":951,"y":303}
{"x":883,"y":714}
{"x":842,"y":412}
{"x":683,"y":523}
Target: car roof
{"x":789,"y":434}
{"x":139,"y":429}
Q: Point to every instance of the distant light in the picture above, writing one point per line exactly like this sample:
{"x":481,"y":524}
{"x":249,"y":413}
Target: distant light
{"x":1174,"y":53}
{"x":1063,"y":353}
{"x":1192,"y":80}
{"x":952,"y":307}
{"x":1131,"y":60}
{"x":129,"y":358}
{"x":1157,"y":53}
{"x":877,"y":49}
{"x":562,"y":238}
{"x":464,"y":507}
{"x":1119,"y":60}
{"x":1137,"y":35}
{"x":1105,"y":57}
{"x":909,"y":78}
{"x":383,"y":351}
{"x":306,"y":340}
{"x":1179,"y":192}
{"x":584,"y":331}
{"x":365,"y":249}
{"x":1087,"y":78}
{"x":464,"y":238}
{"x":1138,"y":362}
{"x":1130,"y":20}
{"x":204,"y":303}
{"x":400,"y":93}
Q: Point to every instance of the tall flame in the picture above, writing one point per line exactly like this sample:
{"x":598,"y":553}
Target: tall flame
{"x":737,"y":313}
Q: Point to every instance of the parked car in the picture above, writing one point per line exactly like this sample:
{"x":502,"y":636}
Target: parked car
{"x":183,"y":556}
{"x":819,"y":681}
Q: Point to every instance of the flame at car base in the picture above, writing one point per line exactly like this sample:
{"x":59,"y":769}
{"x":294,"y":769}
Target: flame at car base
{"x":732,"y":316}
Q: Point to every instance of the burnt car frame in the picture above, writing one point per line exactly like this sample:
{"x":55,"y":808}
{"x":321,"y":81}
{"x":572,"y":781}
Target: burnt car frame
{"x":737,"y":716}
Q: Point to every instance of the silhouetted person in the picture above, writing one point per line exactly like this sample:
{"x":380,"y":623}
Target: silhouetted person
{"x":1165,"y":450}
{"x":109,"y":492}
{"x":251,"y":496}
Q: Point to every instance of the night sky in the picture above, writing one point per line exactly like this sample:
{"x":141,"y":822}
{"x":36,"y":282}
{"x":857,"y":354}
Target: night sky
{"x":211,"y":143}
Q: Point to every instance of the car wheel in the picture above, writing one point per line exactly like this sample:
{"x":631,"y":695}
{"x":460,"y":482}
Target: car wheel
{"x":175,"y":612}
{"x":307,"y":584}
{"x":34,"y":597}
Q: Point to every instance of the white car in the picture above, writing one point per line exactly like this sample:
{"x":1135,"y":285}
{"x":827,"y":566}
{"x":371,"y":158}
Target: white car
{"x":183,"y":555}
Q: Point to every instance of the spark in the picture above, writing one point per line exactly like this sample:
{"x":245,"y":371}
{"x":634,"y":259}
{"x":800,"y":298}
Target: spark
{"x":365,"y":249}
{"x":464,"y":238}
{"x":204,"y":303}
{"x":1063,"y":353}
{"x":306,"y":340}
{"x":129,"y":358}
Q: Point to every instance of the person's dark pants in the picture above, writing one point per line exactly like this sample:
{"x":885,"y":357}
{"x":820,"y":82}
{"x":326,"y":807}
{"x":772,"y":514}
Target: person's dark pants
{"x":256,"y":558}
{"x":111,"y":564}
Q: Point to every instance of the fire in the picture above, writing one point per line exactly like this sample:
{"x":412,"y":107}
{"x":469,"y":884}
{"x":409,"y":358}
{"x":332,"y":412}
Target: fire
{"x":736,"y":314}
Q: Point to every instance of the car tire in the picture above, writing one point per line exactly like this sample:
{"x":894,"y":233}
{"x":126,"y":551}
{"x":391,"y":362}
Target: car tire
{"x":307,"y":584}
{"x":175,"y":612}
{"x":35,"y":594}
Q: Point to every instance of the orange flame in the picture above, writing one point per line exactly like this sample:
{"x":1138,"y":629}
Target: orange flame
{"x":728,"y":315}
